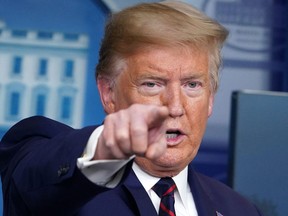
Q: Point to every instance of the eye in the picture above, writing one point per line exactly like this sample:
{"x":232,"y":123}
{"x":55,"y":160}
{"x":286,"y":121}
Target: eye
{"x":150,"y":87}
{"x":149,"y":84}
{"x":193,"y":84}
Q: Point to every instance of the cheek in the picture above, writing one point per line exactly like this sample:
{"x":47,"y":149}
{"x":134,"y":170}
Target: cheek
{"x":197,"y":115}
{"x":197,"y":110}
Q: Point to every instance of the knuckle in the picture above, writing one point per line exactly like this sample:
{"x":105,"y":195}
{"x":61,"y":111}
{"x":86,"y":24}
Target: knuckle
{"x":109,"y":144}
{"x":121,"y":114}
{"x":109,"y":118}
{"x":138,"y":131}
{"x":122,"y":135}
{"x":136,"y":108}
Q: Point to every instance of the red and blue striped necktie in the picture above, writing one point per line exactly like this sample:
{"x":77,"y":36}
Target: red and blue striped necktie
{"x":164,"y":188}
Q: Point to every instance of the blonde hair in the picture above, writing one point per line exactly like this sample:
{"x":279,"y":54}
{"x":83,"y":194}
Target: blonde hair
{"x":166,"y":23}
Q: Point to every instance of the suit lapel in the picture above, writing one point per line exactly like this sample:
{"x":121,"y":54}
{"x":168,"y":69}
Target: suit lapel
{"x":139,"y":195}
{"x":144,"y":206}
{"x":204,"y":205}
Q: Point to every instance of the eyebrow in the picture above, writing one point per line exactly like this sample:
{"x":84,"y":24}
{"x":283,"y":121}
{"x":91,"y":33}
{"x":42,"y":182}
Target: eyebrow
{"x":165,"y":79}
{"x":162,"y":75}
{"x":194,"y":76}
{"x":147,"y":77}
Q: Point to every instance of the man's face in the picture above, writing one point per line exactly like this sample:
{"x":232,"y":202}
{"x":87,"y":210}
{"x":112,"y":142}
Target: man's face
{"x":177,"y":78}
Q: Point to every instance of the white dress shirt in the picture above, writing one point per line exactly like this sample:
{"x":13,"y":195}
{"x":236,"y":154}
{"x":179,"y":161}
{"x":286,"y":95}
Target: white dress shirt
{"x":184,"y":202}
{"x":109,"y":172}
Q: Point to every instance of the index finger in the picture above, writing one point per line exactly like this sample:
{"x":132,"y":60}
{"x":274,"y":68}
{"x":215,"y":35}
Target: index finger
{"x":141,"y":122}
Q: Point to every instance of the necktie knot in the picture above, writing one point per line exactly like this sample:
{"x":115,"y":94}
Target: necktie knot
{"x":164,"y":187}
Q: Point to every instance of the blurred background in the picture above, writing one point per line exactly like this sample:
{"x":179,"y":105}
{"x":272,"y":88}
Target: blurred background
{"x":49,"y":49}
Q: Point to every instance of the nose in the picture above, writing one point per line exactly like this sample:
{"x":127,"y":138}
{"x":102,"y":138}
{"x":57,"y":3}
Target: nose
{"x":174,"y":102}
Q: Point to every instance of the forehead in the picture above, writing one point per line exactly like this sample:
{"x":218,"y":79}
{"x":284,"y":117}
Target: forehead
{"x":172,"y":60}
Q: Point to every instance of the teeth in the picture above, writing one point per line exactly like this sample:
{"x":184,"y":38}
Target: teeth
{"x":171,"y":135}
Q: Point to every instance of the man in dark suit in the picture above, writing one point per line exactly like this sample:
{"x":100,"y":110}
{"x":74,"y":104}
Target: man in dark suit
{"x":157,"y":77}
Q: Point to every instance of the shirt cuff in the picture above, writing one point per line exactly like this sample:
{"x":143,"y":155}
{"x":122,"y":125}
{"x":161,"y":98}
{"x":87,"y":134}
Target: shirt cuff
{"x":106,"y":173}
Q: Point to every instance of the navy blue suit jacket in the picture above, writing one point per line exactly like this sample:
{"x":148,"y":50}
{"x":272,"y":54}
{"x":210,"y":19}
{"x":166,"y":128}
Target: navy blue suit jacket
{"x":40,"y":177}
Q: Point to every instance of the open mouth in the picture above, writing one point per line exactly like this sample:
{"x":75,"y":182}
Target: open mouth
{"x":172,"y":134}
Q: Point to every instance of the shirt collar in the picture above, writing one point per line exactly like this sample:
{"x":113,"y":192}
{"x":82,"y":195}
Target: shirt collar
{"x":149,"y":181}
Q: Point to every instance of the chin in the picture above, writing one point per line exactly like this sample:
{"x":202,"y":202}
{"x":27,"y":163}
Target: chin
{"x":176,"y":156}
{"x":167,"y":165}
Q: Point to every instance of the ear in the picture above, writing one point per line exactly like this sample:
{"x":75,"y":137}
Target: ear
{"x":106,"y":95}
{"x":211,"y":103}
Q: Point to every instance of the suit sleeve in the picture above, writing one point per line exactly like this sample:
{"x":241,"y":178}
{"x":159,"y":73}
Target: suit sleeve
{"x":38,"y":168}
